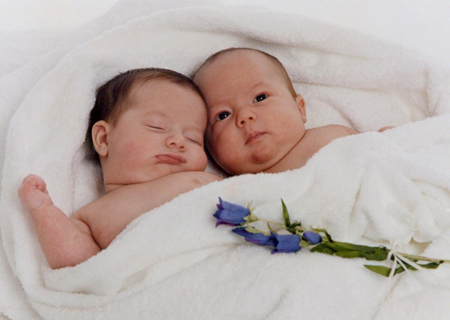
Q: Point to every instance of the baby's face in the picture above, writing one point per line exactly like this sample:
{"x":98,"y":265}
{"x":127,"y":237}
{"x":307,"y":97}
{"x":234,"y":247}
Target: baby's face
{"x":159,"y":134}
{"x":253,"y":118}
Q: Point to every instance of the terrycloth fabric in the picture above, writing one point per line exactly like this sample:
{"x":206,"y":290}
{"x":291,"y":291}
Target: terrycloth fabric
{"x":391,"y":188}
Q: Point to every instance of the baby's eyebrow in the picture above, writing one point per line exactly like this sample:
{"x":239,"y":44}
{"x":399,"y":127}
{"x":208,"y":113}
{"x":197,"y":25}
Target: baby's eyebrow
{"x":194,"y":128}
{"x":152,"y":113}
{"x":258,"y":84}
{"x":219,"y":105}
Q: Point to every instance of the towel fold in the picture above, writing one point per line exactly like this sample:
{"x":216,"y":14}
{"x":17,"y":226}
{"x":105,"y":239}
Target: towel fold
{"x":390,"y":188}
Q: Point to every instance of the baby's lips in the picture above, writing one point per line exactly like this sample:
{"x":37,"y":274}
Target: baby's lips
{"x":253,"y":136}
{"x":171,"y":159}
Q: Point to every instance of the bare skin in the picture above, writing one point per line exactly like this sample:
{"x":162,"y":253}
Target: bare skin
{"x":313,"y":140}
{"x":152,"y":154}
{"x":70,"y":241}
{"x":252,"y":111}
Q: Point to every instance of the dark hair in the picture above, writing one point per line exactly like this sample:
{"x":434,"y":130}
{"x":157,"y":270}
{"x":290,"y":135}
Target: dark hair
{"x":277,"y":63}
{"x":111,"y":97}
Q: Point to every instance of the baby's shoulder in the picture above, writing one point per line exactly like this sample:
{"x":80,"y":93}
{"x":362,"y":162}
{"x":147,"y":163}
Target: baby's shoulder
{"x":337,"y":130}
{"x":321,"y":136}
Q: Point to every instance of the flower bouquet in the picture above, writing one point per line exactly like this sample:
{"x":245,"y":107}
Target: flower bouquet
{"x":292,"y":237}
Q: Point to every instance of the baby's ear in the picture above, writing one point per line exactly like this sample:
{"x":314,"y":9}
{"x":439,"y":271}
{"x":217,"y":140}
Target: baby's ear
{"x":301,"y":106}
{"x":100,"y":132}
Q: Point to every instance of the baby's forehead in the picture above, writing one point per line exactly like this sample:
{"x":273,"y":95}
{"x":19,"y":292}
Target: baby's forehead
{"x":240,"y":57}
{"x":236,"y":62}
{"x":162,"y":96}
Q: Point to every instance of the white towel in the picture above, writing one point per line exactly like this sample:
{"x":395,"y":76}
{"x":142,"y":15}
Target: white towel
{"x":171,"y":263}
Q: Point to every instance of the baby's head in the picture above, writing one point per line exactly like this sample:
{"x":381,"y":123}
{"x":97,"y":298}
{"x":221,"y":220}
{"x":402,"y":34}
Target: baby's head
{"x":255,"y":117}
{"x":146,"y":124}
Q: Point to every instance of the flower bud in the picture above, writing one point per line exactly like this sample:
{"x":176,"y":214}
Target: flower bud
{"x":312,"y":237}
{"x":230,"y":214}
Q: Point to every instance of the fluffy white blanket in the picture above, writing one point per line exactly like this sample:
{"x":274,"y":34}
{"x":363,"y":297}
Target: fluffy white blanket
{"x":390,"y":188}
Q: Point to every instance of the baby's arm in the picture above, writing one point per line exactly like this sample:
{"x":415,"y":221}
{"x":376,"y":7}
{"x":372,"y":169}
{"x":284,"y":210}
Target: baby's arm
{"x":64,"y":241}
{"x":385,"y":128}
{"x":350,"y":130}
{"x":109,"y":215}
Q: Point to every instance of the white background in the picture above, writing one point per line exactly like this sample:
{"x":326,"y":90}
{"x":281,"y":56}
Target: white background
{"x":421,"y":24}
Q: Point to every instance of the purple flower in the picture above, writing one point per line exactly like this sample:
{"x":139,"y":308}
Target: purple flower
{"x":286,"y":243}
{"x":256,"y":238}
{"x":312,"y":237}
{"x":230,"y":214}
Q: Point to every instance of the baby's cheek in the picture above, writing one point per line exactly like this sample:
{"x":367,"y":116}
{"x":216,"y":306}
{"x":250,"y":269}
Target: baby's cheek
{"x":131,"y":151}
{"x":198,"y":161}
{"x":131,"y":148}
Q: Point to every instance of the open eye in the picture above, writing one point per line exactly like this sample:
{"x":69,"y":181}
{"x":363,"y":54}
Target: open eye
{"x":223,"y":115}
{"x":260,"y":97}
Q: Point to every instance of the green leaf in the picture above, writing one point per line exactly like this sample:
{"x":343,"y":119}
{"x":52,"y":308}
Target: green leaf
{"x":350,"y":254}
{"x":323,"y":248}
{"x":295,"y":228}
{"x":304,"y":244}
{"x":344,"y":246}
{"x":384,"y":271}
{"x":380,"y":254}
{"x":287,"y":221}
{"x":296,"y":224}
{"x":348,"y":250}
{"x":432,"y":265}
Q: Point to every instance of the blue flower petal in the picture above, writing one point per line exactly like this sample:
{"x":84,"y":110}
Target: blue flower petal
{"x":230,"y":214}
{"x":256,"y":238}
{"x":286,"y":243}
{"x":312,"y":237}
{"x":240,"y":231}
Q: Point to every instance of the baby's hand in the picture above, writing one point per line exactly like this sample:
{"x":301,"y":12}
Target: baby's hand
{"x":33,"y":193}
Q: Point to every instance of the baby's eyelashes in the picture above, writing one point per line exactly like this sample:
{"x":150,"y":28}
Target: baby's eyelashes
{"x":156,"y":128}
{"x":195,"y":141}
{"x":225,"y":114}
{"x":222,"y":115}
{"x":260,"y":97}
{"x":194,"y":137}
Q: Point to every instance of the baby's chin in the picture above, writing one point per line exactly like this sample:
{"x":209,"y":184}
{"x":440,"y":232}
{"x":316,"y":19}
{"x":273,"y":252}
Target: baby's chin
{"x":249,"y":168}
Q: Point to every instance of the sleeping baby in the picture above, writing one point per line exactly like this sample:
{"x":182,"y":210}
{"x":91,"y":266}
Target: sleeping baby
{"x":254,"y":112}
{"x":146,"y":129}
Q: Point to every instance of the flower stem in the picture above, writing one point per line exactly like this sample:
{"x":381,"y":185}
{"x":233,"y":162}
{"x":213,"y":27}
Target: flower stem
{"x":420,"y":258}
{"x":272,"y":222}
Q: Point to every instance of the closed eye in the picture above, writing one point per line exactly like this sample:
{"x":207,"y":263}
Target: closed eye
{"x":260,"y":97}
{"x":156,"y":128}
{"x":194,"y":141}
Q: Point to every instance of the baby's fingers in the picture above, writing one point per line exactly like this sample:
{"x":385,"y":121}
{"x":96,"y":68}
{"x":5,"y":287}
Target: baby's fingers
{"x":30,"y":184}
{"x":33,"y":193}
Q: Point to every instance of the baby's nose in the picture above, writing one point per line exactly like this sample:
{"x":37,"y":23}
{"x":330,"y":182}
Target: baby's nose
{"x":245,"y":116}
{"x":176,"y":140}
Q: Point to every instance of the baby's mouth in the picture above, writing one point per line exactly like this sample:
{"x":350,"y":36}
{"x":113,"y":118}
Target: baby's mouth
{"x":254,"y":136}
{"x":170,"y":158}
